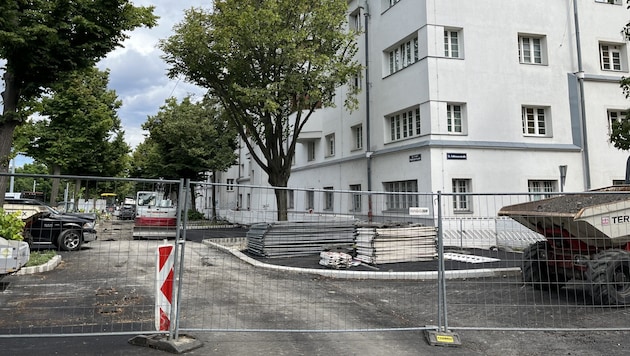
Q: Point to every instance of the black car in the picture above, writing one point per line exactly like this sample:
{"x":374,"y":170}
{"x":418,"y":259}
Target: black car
{"x":45,"y":225}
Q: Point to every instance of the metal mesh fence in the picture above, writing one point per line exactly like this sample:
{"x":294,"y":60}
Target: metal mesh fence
{"x":344,"y":261}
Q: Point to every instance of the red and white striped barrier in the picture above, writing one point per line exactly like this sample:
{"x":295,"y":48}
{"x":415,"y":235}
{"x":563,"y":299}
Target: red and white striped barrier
{"x":164,"y":287}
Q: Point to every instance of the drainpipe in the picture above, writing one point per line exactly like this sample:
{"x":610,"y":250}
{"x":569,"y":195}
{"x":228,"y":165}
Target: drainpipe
{"x":580,"y":76}
{"x":368,"y":152}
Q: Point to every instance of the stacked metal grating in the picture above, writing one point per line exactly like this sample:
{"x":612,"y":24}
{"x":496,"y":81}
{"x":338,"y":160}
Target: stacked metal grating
{"x":295,"y":239}
{"x":396,"y":244}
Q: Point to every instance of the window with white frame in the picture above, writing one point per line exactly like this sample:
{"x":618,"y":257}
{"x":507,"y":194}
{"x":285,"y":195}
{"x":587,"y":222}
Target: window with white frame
{"x":328,"y":198}
{"x":452,"y":40}
{"x":310,"y":199}
{"x":615,"y":117}
{"x":330,"y":145}
{"x":355,"y":21}
{"x":290,"y":199}
{"x":461,"y":202}
{"x":541,"y":187}
{"x":356,"y":198}
{"x":531,"y":49}
{"x":614,"y":2}
{"x":230,"y":185}
{"x":454,"y":118}
{"x":404,"y":199}
{"x":610,"y":56}
{"x":404,"y":125}
{"x":403,"y":55}
{"x":310,"y":150}
{"x":357,"y":137}
{"x":535,"y":121}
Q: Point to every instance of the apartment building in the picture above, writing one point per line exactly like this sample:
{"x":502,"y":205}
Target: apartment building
{"x":479,"y":96}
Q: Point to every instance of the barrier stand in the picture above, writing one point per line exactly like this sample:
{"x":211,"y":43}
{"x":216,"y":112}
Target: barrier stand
{"x":442,"y":336}
{"x":167,"y":258}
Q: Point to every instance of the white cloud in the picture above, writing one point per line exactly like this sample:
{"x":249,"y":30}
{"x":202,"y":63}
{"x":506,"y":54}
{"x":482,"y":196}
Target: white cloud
{"x":139,"y":75}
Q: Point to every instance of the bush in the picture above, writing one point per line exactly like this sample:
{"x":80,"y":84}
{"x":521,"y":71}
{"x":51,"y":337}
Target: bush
{"x":195,"y":215}
{"x":11,"y":225}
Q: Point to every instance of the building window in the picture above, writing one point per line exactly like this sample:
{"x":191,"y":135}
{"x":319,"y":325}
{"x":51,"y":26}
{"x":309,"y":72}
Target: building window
{"x":452,"y":43}
{"x":357,"y":137}
{"x":403,"y":55}
{"x":404,"y":125}
{"x":401,"y":201}
{"x":230,"y":185}
{"x":328,"y":198}
{"x":454,"y":118}
{"x":356,"y":198}
{"x":393,"y":2}
{"x":355,"y":21}
{"x":614,"y":2}
{"x":610,"y":56}
{"x":531,"y":49}
{"x":310,"y":150}
{"x":615,"y":117}
{"x":541,"y":187}
{"x":290,"y":199}
{"x":310,"y":199}
{"x":534,"y":121}
{"x":461,"y":203}
{"x":330,"y":145}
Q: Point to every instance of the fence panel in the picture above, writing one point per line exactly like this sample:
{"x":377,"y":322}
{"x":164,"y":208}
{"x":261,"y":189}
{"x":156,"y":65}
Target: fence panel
{"x":273,"y":276}
{"x":555,"y":244}
{"x":104,"y":285}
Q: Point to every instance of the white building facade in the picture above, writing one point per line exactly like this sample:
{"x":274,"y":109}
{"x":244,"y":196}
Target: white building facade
{"x":484,"y":96}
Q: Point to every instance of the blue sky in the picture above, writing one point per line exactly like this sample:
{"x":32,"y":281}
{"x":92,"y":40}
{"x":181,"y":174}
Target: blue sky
{"x":138,"y":74}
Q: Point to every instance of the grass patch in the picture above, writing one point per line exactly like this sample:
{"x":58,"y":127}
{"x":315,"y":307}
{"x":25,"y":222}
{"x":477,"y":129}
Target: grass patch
{"x":40,"y":257}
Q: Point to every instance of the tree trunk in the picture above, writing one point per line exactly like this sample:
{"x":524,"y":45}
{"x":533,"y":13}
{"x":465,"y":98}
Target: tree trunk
{"x":77,"y":190}
{"x":54,"y":190}
{"x":8,"y":123}
{"x":280,"y":180}
{"x":214,"y":201}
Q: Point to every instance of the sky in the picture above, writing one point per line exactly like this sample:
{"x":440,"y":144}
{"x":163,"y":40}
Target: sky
{"x":138,"y":73}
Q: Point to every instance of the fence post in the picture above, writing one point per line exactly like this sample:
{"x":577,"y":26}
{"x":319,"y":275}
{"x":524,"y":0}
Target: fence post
{"x":442,"y":336}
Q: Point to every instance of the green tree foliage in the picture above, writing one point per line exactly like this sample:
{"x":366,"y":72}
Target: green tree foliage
{"x":272,"y":64}
{"x":43,"y":40}
{"x":188,"y":139}
{"x":620,"y":129}
{"x":79,"y":132}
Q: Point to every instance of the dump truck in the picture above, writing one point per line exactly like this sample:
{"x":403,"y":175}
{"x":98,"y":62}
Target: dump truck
{"x":587,"y":242}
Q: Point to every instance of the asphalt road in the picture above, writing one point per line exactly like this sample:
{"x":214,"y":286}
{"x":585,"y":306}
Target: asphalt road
{"x":107,"y":287}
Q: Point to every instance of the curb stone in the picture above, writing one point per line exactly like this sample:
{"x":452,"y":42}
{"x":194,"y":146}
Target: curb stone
{"x":48,"y":266}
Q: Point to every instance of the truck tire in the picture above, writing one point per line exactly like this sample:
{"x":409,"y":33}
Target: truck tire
{"x":69,"y":240}
{"x":609,"y":275}
{"x":535,"y":269}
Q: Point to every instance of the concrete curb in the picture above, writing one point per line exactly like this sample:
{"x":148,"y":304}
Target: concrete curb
{"x":345,"y":274}
{"x":48,"y":266}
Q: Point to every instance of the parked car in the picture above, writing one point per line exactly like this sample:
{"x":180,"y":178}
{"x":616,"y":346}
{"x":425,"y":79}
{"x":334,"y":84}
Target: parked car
{"x":45,"y":225}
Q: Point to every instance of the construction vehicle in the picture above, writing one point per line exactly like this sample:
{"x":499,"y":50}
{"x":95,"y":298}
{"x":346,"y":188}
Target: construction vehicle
{"x":155,"y":216}
{"x":587,"y":242}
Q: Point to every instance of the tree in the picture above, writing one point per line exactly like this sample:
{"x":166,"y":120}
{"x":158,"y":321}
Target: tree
{"x":271,"y":64}
{"x":43,"y":40}
{"x":189,"y":139}
{"x":620,"y":129}
{"x":80,"y":133}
